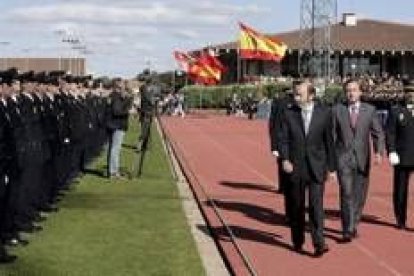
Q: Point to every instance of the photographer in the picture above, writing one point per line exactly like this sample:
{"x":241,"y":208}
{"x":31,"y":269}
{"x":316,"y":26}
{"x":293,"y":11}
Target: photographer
{"x":117,"y":124}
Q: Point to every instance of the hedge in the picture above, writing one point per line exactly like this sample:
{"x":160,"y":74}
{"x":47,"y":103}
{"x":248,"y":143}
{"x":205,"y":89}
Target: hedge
{"x":214,"y":96}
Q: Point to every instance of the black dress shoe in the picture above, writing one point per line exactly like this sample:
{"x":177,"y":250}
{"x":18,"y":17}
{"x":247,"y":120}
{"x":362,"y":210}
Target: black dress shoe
{"x":39,"y":219}
{"x":49,"y":209}
{"x":298,"y":249}
{"x":6,"y":258}
{"x":320,"y":250}
{"x":280,"y":191}
{"x":31,"y":228}
{"x":355,"y":234}
{"x":347,"y":238}
{"x":66,"y":188}
{"x":12,"y":242}
{"x":37,"y":228}
{"x":22,"y":241}
{"x":401,"y":226}
{"x":15,"y":241}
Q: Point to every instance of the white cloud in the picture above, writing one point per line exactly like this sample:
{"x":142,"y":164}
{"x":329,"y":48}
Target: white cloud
{"x":92,"y":13}
{"x":155,"y":13}
{"x":207,"y":7}
{"x":124,"y":35}
{"x":141,"y":46}
{"x":158,"y":13}
{"x":185,"y":34}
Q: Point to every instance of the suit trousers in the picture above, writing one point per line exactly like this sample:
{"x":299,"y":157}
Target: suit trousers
{"x":353,"y":194}
{"x":283,"y":178}
{"x":400,"y":193}
{"x":280,"y":175}
{"x":295,"y":193}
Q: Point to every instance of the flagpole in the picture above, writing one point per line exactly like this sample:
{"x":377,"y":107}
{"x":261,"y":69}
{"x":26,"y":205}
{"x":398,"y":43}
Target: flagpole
{"x":173,"y":80}
{"x":201,"y":100}
{"x":238,"y":66}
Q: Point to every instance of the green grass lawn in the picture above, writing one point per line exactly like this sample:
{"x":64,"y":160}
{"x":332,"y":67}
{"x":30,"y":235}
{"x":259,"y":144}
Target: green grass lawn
{"x":123,"y":227}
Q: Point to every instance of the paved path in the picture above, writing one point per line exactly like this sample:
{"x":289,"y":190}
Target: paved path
{"x":228,"y":160}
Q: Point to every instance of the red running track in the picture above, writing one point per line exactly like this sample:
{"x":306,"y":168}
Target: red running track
{"x":230,"y":159}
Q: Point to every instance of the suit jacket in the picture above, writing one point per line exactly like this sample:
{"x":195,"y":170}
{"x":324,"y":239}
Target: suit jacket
{"x":400,"y":133}
{"x":6,"y":139}
{"x":313,"y":154}
{"x":275,"y":121}
{"x":349,"y":141}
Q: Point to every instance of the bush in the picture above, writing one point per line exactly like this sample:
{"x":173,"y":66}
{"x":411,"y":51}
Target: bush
{"x":214,"y":96}
{"x":333,"y":94}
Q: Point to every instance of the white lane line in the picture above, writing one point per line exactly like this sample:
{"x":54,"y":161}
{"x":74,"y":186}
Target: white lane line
{"x":376,"y":259}
{"x":359,"y":246}
{"x":362,"y":248}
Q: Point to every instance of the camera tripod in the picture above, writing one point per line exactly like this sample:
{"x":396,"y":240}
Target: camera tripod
{"x":142,"y":147}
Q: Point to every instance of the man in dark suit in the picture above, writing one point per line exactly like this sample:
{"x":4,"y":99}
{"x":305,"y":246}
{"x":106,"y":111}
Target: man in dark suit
{"x":275,"y":117}
{"x":354,"y":123}
{"x":400,"y":132}
{"x":307,"y":154}
{"x":279,"y":104}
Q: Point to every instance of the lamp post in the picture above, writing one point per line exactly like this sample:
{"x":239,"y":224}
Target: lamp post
{"x":60,"y":33}
{"x":148,"y":64}
{"x":74,"y":42}
{"x":26,"y":58}
{"x":86,"y":52}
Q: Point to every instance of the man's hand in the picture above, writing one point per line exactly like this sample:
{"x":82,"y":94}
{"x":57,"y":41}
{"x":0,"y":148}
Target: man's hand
{"x":287,"y":166}
{"x":275,"y":153}
{"x":377,"y":159}
{"x":394,"y":158}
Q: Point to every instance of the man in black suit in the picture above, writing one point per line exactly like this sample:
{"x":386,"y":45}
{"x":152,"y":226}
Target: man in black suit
{"x":279,"y":103}
{"x":400,"y":132}
{"x":307,"y":154}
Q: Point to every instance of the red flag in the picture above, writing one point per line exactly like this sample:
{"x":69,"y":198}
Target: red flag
{"x":212,"y":66}
{"x":183,"y":59}
{"x":212,"y":61}
{"x":206,"y":69}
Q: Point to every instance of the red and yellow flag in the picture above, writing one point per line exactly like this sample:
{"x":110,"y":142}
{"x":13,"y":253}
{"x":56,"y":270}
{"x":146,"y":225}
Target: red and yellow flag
{"x":212,"y":67}
{"x":184,"y":60}
{"x":254,"y":45}
{"x":205,"y":69}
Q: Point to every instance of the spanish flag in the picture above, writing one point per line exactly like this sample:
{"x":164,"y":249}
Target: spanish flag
{"x":205,"y":69}
{"x":184,"y":60}
{"x":212,"y":66}
{"x":254,"y":45}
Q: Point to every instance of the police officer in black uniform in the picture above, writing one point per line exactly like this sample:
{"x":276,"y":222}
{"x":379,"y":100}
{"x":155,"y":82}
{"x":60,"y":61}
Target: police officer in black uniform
{"x":400,"y":133}
{"x":5,"y":188}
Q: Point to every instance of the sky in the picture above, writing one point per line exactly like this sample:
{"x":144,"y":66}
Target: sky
{"x":121,"y":38}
